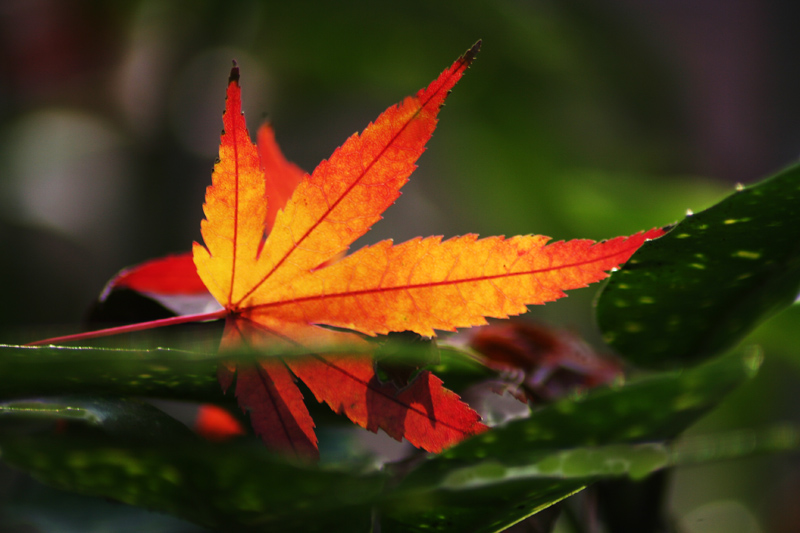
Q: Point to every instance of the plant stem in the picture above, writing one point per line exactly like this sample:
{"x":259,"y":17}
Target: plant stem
{"x":130,"y":328}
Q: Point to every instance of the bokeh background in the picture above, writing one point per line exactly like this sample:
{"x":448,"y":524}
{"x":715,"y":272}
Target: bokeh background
{"x":578,"y":119}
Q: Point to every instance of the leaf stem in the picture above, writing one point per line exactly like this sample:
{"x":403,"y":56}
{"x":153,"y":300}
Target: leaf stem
{"x":130,"y":328}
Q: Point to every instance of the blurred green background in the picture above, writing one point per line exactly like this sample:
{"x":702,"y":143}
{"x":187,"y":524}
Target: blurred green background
{"x":579,"y":119}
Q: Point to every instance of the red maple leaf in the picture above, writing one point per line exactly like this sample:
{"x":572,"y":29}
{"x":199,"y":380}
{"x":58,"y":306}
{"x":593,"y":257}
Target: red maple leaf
{"x":283,"y":291}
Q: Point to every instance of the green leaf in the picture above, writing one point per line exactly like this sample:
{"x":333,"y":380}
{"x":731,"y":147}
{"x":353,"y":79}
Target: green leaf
{"x":227,"y":487}
{"x":496,"y":479}
{"x":701,"y":288}
{"x":131,"y":452}
{"x":33,"y":371}
{"x":30,"y":371}
{"x":127,"y":419}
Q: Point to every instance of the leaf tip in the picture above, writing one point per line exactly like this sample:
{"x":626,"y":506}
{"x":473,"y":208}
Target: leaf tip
{"x":666,"y":229}
{"x":470,"y":54}
{"x":234,"y":77}
{"x":655,"y":233}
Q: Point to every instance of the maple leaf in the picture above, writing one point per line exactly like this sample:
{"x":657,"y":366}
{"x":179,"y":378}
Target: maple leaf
{"x":285,"y":290}
{"x":277,"y":293}
{"x":325,"y":213}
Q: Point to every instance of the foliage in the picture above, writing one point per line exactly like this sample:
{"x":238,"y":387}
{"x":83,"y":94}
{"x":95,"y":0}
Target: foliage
{"x":134,"y":453}
{"x":724,"y":260}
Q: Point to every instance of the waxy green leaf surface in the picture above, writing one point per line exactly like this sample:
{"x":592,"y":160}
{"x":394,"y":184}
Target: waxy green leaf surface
{"x":132,"y":453}
{"x":714,"y":277}
{"x":129,"y":451}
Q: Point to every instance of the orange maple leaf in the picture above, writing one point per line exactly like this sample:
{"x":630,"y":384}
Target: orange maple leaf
{"x":281,"y":292}
{"x":264,"y":284}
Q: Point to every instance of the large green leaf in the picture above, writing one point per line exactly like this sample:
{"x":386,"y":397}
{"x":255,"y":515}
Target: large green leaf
{"x":701,"y":288}
{"x":129,"y":451}
{"x":227,"y":487}
{"x":33,"y":371}
{"x":493,"y":480}
{"x":28,"y":371}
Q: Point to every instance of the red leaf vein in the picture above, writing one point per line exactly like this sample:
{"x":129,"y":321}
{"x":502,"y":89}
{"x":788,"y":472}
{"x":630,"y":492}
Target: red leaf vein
{"x":464,"y":63}
{"x":433,"y":284}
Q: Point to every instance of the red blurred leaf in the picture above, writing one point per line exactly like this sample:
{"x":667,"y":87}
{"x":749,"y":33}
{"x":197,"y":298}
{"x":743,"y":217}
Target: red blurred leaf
{"x":281,"y":176}
{"x":170,"y":275}
{"x":552,"y":361}
{"x":216,"y":424}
